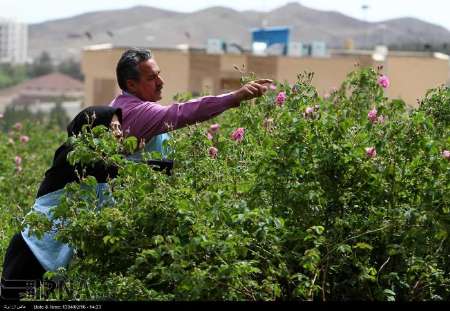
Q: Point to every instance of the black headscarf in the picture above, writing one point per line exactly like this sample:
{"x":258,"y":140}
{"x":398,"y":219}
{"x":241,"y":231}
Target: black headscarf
{"x":61,"y":173}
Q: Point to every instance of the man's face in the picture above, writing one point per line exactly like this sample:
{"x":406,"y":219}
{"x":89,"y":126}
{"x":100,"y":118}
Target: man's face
{"x":150,"y":83}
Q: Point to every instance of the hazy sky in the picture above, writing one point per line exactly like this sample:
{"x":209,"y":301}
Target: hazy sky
{"x":32,"y":11}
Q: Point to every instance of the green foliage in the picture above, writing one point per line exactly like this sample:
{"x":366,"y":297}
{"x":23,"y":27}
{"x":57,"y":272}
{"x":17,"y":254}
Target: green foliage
{"x":71,"y":68}
{"x":57,"y":118}
{"x":13,"y":115}
{"x":296,"y":211}
{"x":41,"y":66}
{"x":437,"y":105}
{"x":11,"y":75}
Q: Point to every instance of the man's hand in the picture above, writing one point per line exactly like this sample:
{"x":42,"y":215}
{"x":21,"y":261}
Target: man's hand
{"x":253,"y":89}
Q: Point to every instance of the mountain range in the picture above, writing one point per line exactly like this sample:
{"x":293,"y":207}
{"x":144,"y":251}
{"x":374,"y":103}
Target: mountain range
{"x":145,"y":26}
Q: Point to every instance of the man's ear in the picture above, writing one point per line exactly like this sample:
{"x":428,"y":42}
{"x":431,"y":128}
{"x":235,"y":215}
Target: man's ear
{"x":131,"y":85}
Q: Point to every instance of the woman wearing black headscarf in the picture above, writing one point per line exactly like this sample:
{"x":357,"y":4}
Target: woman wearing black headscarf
{"x":27,"y":257}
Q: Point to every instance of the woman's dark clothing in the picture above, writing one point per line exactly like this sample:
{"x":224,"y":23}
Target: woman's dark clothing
{"x":22,"y":271}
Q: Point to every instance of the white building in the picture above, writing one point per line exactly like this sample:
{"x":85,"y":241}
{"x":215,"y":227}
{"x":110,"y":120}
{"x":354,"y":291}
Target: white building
{"x":13,"y":41}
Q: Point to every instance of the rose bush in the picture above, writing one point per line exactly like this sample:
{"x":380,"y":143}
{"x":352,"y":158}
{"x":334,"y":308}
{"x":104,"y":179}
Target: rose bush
{"x":324,"y":203}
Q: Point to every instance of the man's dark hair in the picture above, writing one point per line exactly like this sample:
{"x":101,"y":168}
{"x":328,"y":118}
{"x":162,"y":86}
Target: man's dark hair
{"x":127,"y":67}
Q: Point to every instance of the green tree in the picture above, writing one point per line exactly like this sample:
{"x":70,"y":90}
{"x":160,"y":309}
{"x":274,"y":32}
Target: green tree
{"x":41,"y":66}
{"x":58,"y":116}
{"x":71,"y":68}
{"x":11,"y":75}
{"x":15,"y":114}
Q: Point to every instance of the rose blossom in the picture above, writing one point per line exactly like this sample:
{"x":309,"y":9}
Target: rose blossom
{"x":281,"y":98}
{"x":24,"y":139}
{"x":18,"y":126}
{"x":273,"y":87}
{"x":371,"y":152}
{"x":384,"y":81}
{"x":213,"y":129}
{"x":372,"y":115}
{"x":18,"y":160}
{"x":209,"y":136}
{"x":446,"y":154}
{"x":238,"y":134}
{"x":213,"y":152}
{"x":309,"y":111}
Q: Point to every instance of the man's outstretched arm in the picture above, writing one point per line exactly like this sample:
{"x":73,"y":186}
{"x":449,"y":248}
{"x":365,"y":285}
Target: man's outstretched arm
{"x":150,"y":119}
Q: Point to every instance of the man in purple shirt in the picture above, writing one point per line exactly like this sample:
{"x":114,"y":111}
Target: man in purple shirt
{"x":139,"y":77}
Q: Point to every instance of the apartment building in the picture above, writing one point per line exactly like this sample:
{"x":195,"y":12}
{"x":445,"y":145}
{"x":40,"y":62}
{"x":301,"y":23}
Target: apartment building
{"x":13,"y":41}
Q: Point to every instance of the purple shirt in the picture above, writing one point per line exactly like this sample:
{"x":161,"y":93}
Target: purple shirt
{"x":146,"y":119}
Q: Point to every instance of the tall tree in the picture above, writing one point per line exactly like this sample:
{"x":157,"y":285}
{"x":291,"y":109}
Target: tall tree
{"x":42,"y":65}
{"x":71,"y":68}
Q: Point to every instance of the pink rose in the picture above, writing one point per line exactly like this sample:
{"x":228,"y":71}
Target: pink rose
{"x":213,"y":129}
{"x":384,"y":82}
{"x":18,"y":126}
{"x":24,"y":139}
{"x":372,"y":115}
{"x":371,"y":152}
{"x":209,"y":136}
{"x":272,"y":87}
{"x":281,"y":98}
{"x":18,"y":160}
{"x":238,"y":134}
{"x":309,"y":112}
{"x":446,"y":154}
{"x":213,"y":152}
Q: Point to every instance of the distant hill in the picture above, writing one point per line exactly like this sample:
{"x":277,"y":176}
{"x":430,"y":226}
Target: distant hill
{"x":152,"y":27}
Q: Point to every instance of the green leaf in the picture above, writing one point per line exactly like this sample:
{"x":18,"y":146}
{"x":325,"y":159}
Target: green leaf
{"x":363,"y":246}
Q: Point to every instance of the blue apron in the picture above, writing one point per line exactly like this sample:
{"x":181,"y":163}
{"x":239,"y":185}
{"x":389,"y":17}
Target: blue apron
{"x":50,"y":253}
